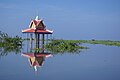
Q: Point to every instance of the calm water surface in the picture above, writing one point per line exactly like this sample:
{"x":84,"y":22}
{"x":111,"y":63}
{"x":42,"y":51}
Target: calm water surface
{"x":97,"y":63}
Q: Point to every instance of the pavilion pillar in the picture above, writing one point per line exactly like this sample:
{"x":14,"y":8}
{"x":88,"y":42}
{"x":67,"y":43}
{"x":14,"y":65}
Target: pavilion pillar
{"x":38,"y":43}
{"x":50,"y":37}
{"x":30,"y":41}
{"x":27,"y":42}
{"x":47,"y":39}
{"x":43,"y":36}
{"x":36,"y":40}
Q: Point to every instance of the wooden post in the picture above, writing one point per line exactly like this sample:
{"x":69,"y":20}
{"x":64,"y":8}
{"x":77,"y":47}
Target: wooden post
{"x":43,"y":42}
{"x":35,"y":40}
{"x":50,"y":37}
{"x":0,"y":39}
{"x":38,"y":40}
{"x":30,"y":41}
{"x":47,"y":39}
{"x":27,"y":42}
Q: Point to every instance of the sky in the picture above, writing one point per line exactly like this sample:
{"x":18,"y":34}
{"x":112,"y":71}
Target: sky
{"x":70,"y":19}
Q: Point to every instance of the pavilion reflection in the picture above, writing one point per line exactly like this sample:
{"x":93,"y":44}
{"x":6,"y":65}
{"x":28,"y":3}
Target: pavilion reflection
{"x":36,"y":59}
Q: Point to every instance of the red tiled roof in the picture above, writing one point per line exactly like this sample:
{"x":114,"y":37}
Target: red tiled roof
{"x":36,"y":31}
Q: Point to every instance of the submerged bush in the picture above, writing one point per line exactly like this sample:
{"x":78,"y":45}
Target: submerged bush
{"x":9,"y":44}
{"x":61,"y":46}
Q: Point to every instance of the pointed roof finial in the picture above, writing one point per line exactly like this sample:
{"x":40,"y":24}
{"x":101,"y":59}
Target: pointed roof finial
{"x":36,"y":18}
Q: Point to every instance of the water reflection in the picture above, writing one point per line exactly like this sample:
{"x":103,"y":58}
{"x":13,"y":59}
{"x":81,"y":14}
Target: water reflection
{"x":5,"y":50}
{"x":61,"y":51}
{"x":36,"y":59}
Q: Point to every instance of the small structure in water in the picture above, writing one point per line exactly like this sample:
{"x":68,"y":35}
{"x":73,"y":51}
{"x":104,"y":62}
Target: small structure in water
{"x":39,"y":30}
{"x":37,"y":27}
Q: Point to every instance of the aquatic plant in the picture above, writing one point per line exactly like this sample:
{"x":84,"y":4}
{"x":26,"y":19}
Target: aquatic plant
{"x":74,"y":46}
{"x":93,"y":41}
{"x":9,"y":44}
{"x":62,"y":46}
{"x":103,"y":42}
{"x":7,"y":49}
{"x":6,"y":40}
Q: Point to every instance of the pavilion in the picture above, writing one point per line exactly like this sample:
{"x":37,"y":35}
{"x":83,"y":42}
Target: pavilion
{"x":37,"y":27}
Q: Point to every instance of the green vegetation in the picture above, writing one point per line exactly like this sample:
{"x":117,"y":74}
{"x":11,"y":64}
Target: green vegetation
{"x":9,"y":44}
{"x":61,"y":46}
{"x":14,"y":44}
{"x":103,"y":42}
{"x":74,"y":46}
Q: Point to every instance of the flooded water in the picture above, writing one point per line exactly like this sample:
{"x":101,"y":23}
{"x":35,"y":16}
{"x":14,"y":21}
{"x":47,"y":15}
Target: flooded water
{"x":97,"y":63}
{"x":70,"y":20}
